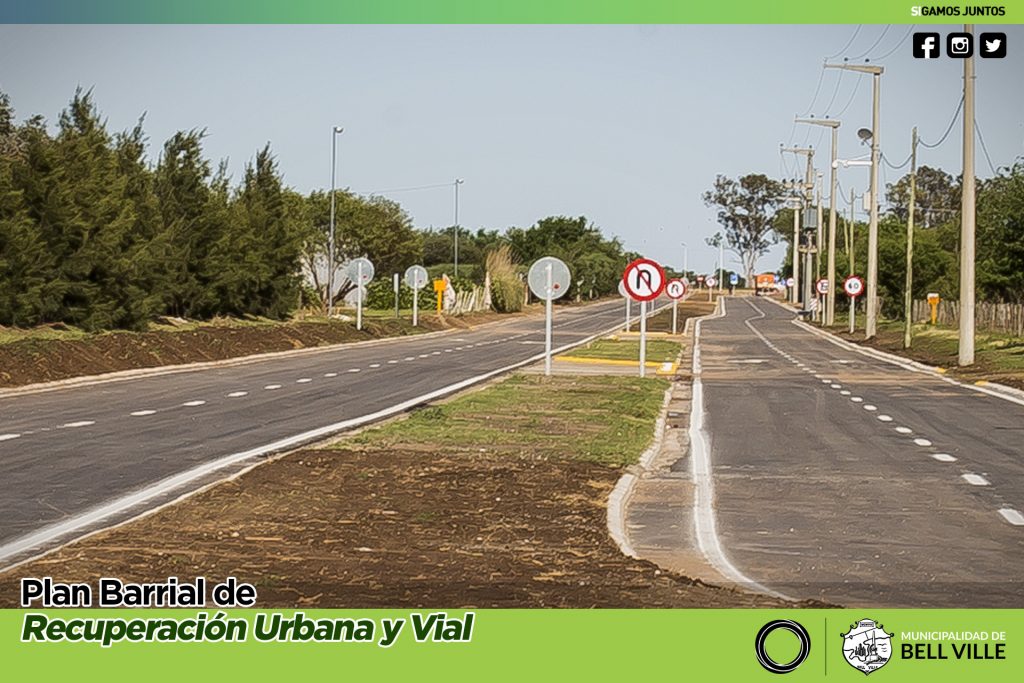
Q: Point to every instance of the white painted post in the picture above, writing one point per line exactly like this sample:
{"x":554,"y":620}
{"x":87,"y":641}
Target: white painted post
{"x":547,"y":326}
{"x":643,"y":337}
{"x":628,"y":304}
{"x":415,"y":303}
{"x":675,"y":306}
{"x":853,"y":312}
{"x":359,"y":296}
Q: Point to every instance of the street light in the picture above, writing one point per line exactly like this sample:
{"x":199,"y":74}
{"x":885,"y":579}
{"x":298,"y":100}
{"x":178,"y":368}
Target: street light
{"x":335,"y":132}
{"x":457,"y":183}
{"x":830,"y":297}
{"x":872,"y":296}
{"x":808,"y":186}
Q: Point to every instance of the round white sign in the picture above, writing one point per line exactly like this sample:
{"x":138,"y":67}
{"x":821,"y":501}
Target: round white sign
{"x":675,"y":289}
{"x":644,"y":279}
{"x":360,"y":268}
{"x":416,"y":277}
{"x":622,"y":289}
{"x":538,"y":278}
{"x":853,"y":286}
{"x":711,"y":282}
{"x":790,"y":281}
{"x":822,"y":286}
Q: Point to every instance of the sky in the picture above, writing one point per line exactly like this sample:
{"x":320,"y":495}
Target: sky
{"x":627,"y":125}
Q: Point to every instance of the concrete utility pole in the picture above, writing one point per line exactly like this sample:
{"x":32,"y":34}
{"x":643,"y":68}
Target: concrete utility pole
{"x":871,"y":326}
{"x":457,"y":183}
{"x":908,"y":295}
{"x":852,"y":248}
{"x":686,"y":258}
{"x":721,"y":264}
{"x":808,"y":188}
{"x":967,"y":208}
{"x":830,"y":298}
{"x":335,"y":132}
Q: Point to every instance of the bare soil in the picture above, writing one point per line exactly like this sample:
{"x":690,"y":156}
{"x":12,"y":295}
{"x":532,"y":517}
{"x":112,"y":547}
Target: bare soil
{"x":346,"y":528}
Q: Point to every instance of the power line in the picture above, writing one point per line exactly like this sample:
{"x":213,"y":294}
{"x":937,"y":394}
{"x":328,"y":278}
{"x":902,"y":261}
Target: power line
{"x":952,"y":121}
{"x":897,"y":46}
{"x":848,"y":43}
{"x":853,"y":94}
{"x":984,"y":148}
{"x":407,"y":189}
{"x":875,"y":44}
{"x":839,"y":81}
{"x":895,"y":168}
{"x":817,"y":89}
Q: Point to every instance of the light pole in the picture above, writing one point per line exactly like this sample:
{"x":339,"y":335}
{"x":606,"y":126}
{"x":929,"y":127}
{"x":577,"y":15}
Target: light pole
{"x":686,"y":258}
{"x":335,"y":132}
{"x":870,"y":327}
{"x":965,"y":354}
{"x":830,"y":298}
{"x":908,"y":294}
{"x":457,"y":183}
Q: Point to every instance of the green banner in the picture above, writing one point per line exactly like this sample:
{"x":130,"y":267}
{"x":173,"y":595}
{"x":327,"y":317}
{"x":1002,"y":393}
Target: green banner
{"x":534,"y":645}
{"x":509,"y":11}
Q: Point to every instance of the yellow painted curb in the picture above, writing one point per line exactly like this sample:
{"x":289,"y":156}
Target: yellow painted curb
{"x":667,"y":369}
{"x":941,"y":371}
{"x":607,"y":361}
{"x":981,"y":382}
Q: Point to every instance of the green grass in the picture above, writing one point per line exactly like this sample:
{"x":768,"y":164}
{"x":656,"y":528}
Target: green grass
{"x":658,"y":350}
{"x":600,"y":419}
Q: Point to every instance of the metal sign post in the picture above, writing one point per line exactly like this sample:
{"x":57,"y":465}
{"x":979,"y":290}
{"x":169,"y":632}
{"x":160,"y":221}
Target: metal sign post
{"x":711,"y":282}
{"x":397,"y":313}
{"x":625,"y":295}
{"x":360,"y":271}
{"x":854,"y":287}
{"x":415,"y":277}
{"x":548,"y":279}
{"x":676,"y":290}
{"x":644,"y":280}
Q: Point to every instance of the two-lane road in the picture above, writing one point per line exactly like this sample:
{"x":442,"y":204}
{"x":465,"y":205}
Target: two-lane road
{"x":81,"y":457}
{"x":846,"y":478}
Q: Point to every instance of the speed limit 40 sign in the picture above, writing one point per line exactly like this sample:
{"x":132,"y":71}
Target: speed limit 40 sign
{"x":853,"y":286}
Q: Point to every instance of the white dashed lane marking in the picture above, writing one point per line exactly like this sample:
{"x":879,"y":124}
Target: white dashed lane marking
{"x":238,"y":394}
{"x":837,"y":386}
{"x":1012,"y":516}
{"x":353,"y":370}
{"x":943,"y":457}
{"x":409,"y":358}
{"x":975,"y":479}
{"x":142,"y":413}
{"x":374,"y":365}
{"x":80,"y":423}
{"x":392,"y":362}
{"x":901,"y":430}
{"x":304,"y":380}
{"x":330,"y":374}
{"x":869,"y":407}
{"x":193,"y":404}
{"x":845,"y":392}
{"x":924,"y":443}
{"x":856,"y":399}
{"x":271,"y":387}
{"x":8,"y":437}
{"x":885,"y":418}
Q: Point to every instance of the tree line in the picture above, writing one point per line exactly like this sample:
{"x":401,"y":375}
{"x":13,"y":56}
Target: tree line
{"x":95,"y":234}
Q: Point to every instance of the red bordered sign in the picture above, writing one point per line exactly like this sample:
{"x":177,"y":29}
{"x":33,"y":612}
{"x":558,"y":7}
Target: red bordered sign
{"x":675,"y":288}
{"x":853,"y":286}
{"x":644,"y":279}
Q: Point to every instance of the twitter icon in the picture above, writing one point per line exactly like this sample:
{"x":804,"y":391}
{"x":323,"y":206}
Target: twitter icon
{"x":993,"y":45}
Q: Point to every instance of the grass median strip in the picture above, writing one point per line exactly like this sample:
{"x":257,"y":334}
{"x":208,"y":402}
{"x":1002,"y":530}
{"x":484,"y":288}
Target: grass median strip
{"x":495,"y":498}
{"x":612,"y":349}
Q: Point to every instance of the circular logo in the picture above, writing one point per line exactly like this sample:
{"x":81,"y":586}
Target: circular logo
{"x":644,"y":279}
{"x":675,"y":289}
{"x":794,"y":627}
{"x":853,"y":286}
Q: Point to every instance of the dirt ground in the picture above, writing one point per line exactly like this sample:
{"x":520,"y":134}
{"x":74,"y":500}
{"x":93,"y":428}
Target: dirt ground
{"x":31,"y":360}
{"x":403,"y":529}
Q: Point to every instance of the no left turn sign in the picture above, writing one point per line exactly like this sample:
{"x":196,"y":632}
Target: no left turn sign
{"x":644,"y":280}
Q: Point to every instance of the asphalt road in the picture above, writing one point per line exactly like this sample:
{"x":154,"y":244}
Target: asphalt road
{"x":71,"y":460}
{"x":845,"y":478}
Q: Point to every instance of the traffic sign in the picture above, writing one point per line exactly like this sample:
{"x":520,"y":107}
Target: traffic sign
{"x":853,"y":286}
{"x":734,"y":279}
{"x":790,"y":282}
{"x":675,"y":289}
{"x":644,"y":279}
{"x":416,"y":277}
{"x":622,"y":289}
{"x":711,"y":281}
{"x":360,"y":270}
{"x":821,"y":286}
{"x":549,"y":278}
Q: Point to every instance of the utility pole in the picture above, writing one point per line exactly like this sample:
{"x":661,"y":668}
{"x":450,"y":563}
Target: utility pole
{"x":908,"y":295}
{"x":967,"y":217}
{"x":871,"y":326}
{"x":830,"y":298}
{"x":686,"y":258}
{"x":721,"y":264}
{"x":808,"y":187}
{"x":852,"y":248}
{"x":457,"y":183}
{"x":335,"y":132}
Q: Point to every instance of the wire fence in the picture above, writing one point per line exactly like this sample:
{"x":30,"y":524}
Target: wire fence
{"x":990,"y":317}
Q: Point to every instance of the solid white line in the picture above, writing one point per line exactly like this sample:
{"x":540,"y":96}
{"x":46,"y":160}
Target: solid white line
{"x":142,"y":413}
{"x":238,"y":394}
{"x":1012,"y":516}
{"x":272,"y":386}
{"x":923,"y":442}
{"x":703,"y":478}
{"x":193,"y":404}
{"x":80,"y":423}
{"x":943,"y":457}
{"x":8,"y":437}
{"x":975,"y":479}
{"x":64,"y":530}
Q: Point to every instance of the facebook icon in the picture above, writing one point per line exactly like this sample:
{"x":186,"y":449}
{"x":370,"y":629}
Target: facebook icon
{"x":926,"y":45}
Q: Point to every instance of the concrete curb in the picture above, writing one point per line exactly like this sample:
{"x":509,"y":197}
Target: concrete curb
{"x":618,"y":499}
